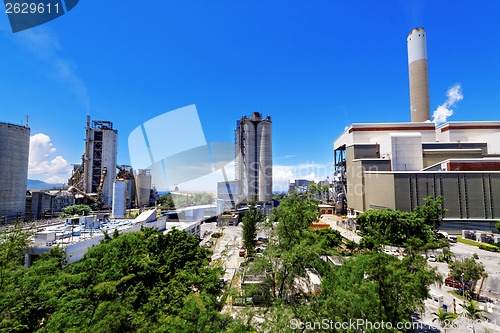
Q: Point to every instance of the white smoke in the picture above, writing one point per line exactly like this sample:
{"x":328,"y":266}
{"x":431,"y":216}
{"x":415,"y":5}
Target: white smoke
{"x":444,"y":111}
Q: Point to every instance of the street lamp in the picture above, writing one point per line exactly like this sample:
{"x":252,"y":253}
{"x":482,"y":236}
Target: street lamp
{"x":463,"y":288}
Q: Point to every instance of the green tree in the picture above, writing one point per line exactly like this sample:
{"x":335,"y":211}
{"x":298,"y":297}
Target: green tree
{"x":14,"y":244}
{"x":468,"y":270}
{"x":250,"y":219}
{"x":472,"y":312}
{"x":294,"y":216}
{"x":432,"y":211}
{"x":80,"y":210}
{"x":386,"y":226}
{"x":497,"y":226}
{"x":445,"y":319}
{"x":332,"y":238}
{"x":167,"y":202}
{"x":142,"y":281}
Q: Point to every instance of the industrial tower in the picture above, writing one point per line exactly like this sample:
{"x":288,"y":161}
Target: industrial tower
{"x":419,"y":79}
{"x":254,"y":160}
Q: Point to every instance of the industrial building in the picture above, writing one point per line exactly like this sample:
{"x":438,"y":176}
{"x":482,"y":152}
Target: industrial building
{"x":14,"y":156}
{"x":42,"y":204}
{"x":97,"y":172}
{"x":227,"y":196}
{"x":397,"y":165}
{"x":254,"y":160}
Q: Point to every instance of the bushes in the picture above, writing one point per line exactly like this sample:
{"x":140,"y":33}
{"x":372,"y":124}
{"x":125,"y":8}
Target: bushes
{"x":488,"y":247}
{"x":80,"y":210}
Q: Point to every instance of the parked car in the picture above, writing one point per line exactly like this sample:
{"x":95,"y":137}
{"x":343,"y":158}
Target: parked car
{"x":452,"y":283}
{"x":259,"y":249}
{"x":432,"y":258}
{"x":260,"y":254}
{"x":209,"y":243}
{"x":243,"y":252}
{"x":216,"y":234}
{"x":263,"y":240}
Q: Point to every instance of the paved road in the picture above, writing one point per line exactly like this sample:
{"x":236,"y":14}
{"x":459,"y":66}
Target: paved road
{"x":226,"y":252}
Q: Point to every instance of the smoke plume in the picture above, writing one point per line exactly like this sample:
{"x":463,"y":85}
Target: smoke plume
{"x":444,"y":111}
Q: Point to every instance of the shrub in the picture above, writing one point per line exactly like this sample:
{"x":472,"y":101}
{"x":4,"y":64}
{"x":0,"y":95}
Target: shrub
{"x":488,"y":247}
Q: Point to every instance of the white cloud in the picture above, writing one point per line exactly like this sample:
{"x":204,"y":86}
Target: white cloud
{"x":283,"y":174}
{"x":444,"y":111}
{"x":43,"y":165}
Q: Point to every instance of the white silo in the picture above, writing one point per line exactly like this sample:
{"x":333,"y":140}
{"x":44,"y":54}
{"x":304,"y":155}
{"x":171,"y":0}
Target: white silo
{"x":14,"y":155}
{"x":419,"y":78}
{"x":119,"y":199}
{"x":265,"y":159}
{"x":143,"y":187}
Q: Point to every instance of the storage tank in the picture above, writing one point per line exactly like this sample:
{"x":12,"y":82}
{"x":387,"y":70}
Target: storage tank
{"x":119,"y":199}
{"x":265,"y":158}
{"x":143,"y":187}
{"x":14,"y":155}
{"x":419,"y":79}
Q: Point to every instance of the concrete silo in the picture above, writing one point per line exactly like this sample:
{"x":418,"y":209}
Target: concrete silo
{"x":14,"y":155}
{"x":419,"y":79}
{"x":143,"y":187}
{"x":254,"y":157}
{"x":265,"y":159}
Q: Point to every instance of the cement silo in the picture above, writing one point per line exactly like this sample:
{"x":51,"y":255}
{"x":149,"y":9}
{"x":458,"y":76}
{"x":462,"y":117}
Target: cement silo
{"x":419,"y":79}
{"x":14,"y":155}
{"x":119,"y":199}
{"x":143,"y":187}
{"x":254,"y":157}
{"x":265,"y":159}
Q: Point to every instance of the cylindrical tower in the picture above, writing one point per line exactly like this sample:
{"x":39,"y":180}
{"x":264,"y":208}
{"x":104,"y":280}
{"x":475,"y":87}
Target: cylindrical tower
{"x":119,"y":198}
{"x":143,"y":186}
{"x":419,"y":79}
{"x":14,"y":155}
{"x":250,"y":163}
{"x":265,"y":158}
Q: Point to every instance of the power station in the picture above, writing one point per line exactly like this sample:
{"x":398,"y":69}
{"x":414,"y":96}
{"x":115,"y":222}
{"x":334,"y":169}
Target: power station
{"x":397,"y":165}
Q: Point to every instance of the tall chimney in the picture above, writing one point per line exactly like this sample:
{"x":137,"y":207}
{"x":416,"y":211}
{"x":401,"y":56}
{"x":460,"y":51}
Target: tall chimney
{"x":419,"y":79}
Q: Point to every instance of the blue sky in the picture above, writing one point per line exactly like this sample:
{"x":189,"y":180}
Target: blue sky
{"x":314,"y":66}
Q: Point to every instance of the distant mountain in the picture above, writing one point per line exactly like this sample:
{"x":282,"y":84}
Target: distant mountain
{"x":40,"y":185}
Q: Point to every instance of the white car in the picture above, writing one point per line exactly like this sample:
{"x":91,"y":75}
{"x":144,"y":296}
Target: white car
{"x":432,"y":258}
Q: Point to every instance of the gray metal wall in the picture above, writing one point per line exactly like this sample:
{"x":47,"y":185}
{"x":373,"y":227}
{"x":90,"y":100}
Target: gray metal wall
{"x":14,"y":154}
{"x":468,"y":195}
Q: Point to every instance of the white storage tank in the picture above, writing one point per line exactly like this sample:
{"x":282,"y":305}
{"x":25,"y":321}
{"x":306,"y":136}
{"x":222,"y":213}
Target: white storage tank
{"x":143,"y":187}
{"x":119,"y":199}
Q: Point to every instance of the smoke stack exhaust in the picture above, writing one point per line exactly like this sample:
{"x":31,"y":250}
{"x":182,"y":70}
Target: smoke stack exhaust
{"x":419,"y":79}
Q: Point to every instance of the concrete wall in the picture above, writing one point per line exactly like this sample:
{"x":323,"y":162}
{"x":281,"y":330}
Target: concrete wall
{"x":14,"y":154}
{"x":379,"y":191}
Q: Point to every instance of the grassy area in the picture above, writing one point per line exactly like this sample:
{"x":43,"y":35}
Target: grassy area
{"x":468,"y":241}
